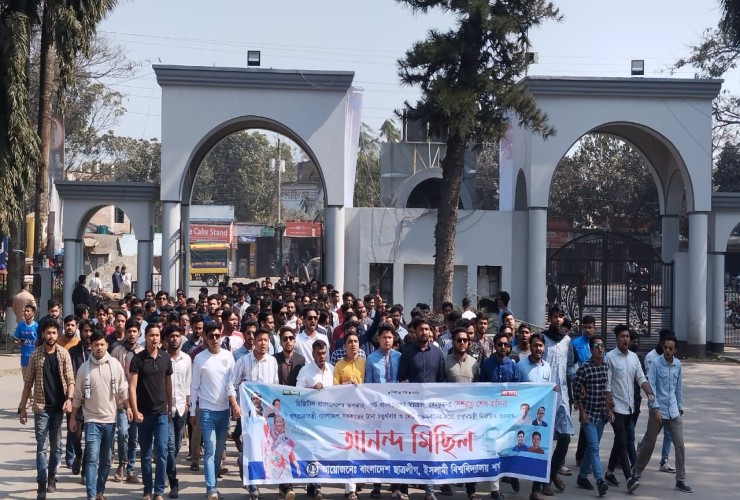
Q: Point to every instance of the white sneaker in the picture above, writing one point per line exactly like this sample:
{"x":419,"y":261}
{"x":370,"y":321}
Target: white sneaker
{"x":665,"y":466}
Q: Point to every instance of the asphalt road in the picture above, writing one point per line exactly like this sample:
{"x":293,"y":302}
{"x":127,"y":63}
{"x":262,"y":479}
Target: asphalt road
{"x":711,"y":395}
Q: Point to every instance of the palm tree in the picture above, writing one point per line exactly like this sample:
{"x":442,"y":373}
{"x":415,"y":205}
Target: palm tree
{"x":389,"y":132}
{"x":67,"y":28}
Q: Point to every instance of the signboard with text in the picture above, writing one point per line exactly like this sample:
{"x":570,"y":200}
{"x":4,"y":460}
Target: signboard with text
{"x":414,"y":433}
{"x":210,"y":233}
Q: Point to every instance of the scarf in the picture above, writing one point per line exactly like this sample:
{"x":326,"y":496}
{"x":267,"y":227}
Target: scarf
{"x":92,"y":360}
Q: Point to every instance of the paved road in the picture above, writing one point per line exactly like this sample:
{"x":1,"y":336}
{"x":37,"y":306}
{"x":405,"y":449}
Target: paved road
{"x":712,"y":397}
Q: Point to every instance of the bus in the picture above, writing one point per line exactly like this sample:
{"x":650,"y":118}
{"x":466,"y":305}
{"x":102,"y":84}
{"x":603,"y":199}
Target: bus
{"x":209,"y":262}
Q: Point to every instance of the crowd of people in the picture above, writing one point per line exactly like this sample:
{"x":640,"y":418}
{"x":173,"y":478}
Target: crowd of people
{"x":160,"y":366}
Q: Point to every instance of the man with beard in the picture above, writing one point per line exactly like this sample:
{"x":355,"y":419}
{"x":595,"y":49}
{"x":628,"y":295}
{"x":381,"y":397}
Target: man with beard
{"x":150,"y":393}
{"x":316,"y":375}
{"x":535,"y":369}
{"x":256,"y":366}
{"x":51,"y":377}
{"x":309,"y":335}
{"x":559,"y":355}
{"x":195,"y":339}
{"x":119,"y":330}
{"x":210,"y":388}
{"x":420,"y":363}
{"x":181,"y":375}
{"x":69,"y":339}
{"x":79,"y":354}
{"x":126,"y":431}
{"x":101,"y":387}
{"x":498,"y":368}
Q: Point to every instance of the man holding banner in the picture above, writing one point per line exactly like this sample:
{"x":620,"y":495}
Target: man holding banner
{"x":420,"y":363}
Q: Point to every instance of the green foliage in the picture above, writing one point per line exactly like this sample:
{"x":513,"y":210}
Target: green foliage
{"x":730,"y":21}
{"x":389,"y":132}
{"x":19,"y":147}
{"x":236,"y":172}
{"x":727,"y":171}
{"x":468,"y":75}
{"x":367,"y":177}
{"x":605,"y":182}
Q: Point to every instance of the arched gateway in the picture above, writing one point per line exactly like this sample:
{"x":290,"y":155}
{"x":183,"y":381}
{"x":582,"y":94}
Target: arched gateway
{"x":667,"y":120}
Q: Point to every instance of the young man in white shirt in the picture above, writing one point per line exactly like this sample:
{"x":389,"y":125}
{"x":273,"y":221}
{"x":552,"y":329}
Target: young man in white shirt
{"x":316,"y":375}
{"x":181,"y":378}
{"x":309,"y":335}
{"x":211,"y":391}
{"x":255,"y":366}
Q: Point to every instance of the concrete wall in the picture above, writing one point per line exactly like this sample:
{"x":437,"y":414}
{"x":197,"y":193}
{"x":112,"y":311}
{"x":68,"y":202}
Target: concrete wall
{"x":405,"y":238}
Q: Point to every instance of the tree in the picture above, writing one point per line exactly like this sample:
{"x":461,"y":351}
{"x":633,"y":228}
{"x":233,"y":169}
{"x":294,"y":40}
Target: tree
{"x":389,"y":132}
{"x":19,"y":148}
{"x":367,"y":177}
{"x":67,"y":28}
{"x":730,"y":20}
{"x":727,"y":170}
{"x":468,"y":81}
{"x":604,"y":183}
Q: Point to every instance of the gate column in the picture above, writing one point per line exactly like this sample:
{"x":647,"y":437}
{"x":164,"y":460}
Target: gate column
{"x":72,"y":248}
{"x":717,"y":336}
{"x":170,"y":245}
{"x":537,"y":272}
{"x":697,"y":296}
{"x":334,"y":253}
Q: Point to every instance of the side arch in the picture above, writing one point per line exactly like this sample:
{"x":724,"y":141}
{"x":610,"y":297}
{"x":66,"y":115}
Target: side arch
{"x":407,"y":187}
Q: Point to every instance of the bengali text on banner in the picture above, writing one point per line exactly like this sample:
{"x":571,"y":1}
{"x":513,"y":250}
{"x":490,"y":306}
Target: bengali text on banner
{"x":442,"y":433}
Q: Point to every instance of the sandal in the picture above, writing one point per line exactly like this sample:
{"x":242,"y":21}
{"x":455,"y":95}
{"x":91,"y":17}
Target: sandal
{"x":399,"y":495}
{"x":351,"y":495}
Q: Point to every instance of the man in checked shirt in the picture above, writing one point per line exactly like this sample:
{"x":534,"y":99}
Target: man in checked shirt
{"x":589,"y":389}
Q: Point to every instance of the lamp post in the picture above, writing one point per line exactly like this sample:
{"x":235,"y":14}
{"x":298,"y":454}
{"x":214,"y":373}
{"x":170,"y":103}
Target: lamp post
{"x":279,"y":166}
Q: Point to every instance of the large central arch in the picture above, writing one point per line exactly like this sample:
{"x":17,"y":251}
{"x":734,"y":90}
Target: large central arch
{"x":318,"y":110}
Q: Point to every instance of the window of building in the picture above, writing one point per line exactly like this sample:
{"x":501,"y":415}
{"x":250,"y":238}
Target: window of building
{"x":119,"y":216}
{"x":381,"y":278}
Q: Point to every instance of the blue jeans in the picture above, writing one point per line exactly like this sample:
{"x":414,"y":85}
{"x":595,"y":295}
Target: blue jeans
{"x":590,"y":461}
{"x":175,"y":427}
{"x":213,"y":427}
{"x":153,"y":430}
{"x":47,"y":425}
{"x":98,"y":443}
{"x":126,"y":434}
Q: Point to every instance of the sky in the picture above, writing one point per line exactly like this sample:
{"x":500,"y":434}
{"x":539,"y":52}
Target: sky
{"x":595,"y":38}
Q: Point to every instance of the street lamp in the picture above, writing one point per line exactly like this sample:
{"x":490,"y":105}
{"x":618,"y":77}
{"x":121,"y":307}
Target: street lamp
{"x":279,"y":167}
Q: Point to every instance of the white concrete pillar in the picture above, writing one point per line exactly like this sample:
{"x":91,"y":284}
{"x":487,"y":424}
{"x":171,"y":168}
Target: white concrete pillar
{"x":71,"y":271}
{"x":537,"y":260}
{"x":334,"y":252}
{"x":717,"y":336}
{"x":186,"y":249}
{"x":170,"y":245}
{"x":697,"y":292}
{"x":669,"y":247}
{"x":144,"y":263}
{"x":669,"y":236}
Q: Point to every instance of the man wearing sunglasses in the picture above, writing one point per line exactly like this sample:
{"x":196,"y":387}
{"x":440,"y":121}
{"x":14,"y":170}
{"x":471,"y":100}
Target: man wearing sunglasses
{"x":309,"y":335}
{"x":589,"y":389}
{"x":499,"y":368}
{"x":214,"y":395}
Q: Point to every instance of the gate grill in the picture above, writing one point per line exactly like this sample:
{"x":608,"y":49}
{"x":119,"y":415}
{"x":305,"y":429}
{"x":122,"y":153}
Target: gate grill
{"x":617,"y":279}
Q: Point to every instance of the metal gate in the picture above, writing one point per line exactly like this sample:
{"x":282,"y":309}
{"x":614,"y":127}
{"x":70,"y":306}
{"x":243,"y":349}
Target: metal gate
{"x":614,"y":277}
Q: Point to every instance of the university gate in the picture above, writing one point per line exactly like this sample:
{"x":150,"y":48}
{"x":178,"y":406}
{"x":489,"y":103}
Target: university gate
{"x":614,"y":277}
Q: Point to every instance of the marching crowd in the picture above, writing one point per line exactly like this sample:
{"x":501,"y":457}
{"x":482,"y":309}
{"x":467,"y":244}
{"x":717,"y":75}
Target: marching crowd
{"x":141,"y":376}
